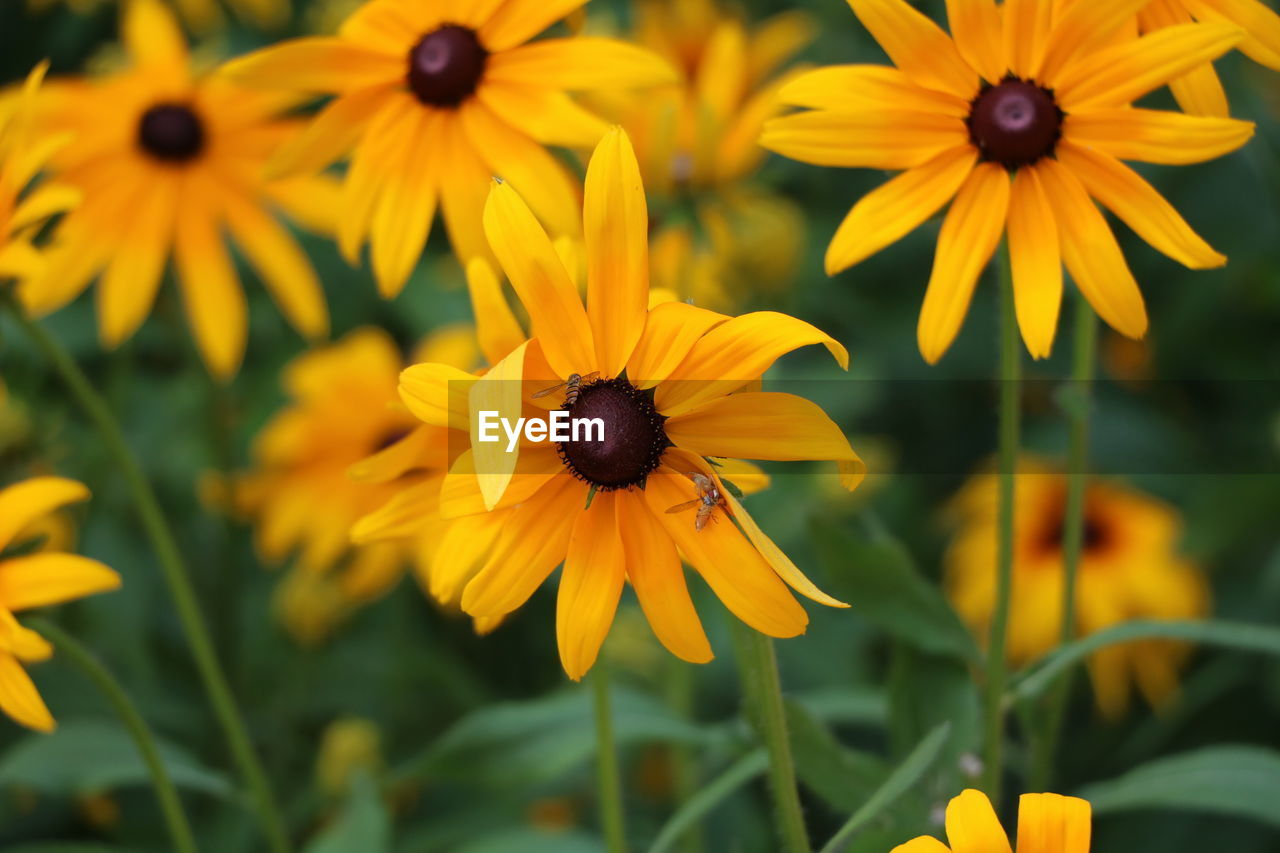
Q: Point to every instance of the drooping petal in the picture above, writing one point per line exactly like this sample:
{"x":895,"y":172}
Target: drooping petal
{"x":760,"y":425}
{"x":539,"y":278}
{"x":1091,"y":253}
{"x":1052,"y":823}
{"x":654,"y":568}
{"x":590,"y":586}
{"x":1036,"y":262}
{"x":129,"y":284}
{"x":497,"y":329}
{"x":39,"y":580}
{"x":1142,"y":208}
{"x":897,"y":207}
{"x":406,"y":206}
{"x":978,"y":34}
{"x":969,"y":235}
{"x":517,"y":21}
{"x":670,"y":331}
{"x":24,"y":502}
{"x":879,"y":139}
{"x":211,"y":294}
{"x":385,"y":142}
{"x":580,"y":63}
{"x":917,"y":45}
{"x":317,"y":64}
{"x":972,"y":825}
{"x":615,"y":225}
{"x":1083,"y":28}
{"x":19,"y":697}
{"x":1156,"y":136}
{"x":858,"y":88}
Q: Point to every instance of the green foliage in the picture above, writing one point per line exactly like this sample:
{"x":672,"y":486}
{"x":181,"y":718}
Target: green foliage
{"x":363,"y":824}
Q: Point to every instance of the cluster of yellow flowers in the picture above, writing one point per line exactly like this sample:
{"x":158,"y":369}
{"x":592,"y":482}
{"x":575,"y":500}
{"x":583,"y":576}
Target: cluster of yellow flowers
{"x":1020,"y":118}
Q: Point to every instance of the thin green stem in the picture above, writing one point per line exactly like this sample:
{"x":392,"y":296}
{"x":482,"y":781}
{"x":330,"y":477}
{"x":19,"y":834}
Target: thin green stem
{"x":1010,"y":380}
{"x":170,"y":804}
{"x":175,"y":573}
{"x":678,"y":689}
{"x":758,"y":670}
{"x":1085,"y":346}
{"x":610,"y":778}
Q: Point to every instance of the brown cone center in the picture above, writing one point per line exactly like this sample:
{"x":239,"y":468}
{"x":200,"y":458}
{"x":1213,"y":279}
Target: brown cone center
{"x":633,"y":436}
{"x":446,"y":66}
{"x":1014,"y":123}
{"x":171,"y":132}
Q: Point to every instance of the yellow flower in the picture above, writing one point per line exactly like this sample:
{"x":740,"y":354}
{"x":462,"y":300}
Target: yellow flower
{"x":1129,"y":569}
{"x":673,"y":386}
{"x":1047,"y":823}
{"x":349,"y":745}
{"x":1023,"y":116}
{"x":24,"y":151}
{"x":166,"y":159}
{"x":457,"y":81}
{"x":38,"y":579}
{"x":200,"y":15}
{"x":1199,"y":91}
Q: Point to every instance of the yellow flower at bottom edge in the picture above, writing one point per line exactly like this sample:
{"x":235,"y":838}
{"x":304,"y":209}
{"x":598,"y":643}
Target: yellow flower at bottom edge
{"x":1047,"y":823}
{"x":167,"y":160}
{"x":1129,"y":569}
{"x":668,"y":385}
{"x":200,"y":15}
{"x":36,"y":580}
{"x":1020,"y":118}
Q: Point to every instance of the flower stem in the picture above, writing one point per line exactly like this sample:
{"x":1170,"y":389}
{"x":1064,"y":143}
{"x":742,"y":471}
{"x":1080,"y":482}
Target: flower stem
{"x":1010,"y":378}
{"x":175,"y":573}
{"x":758,"y":669}
{"x":1085,"y":346}
{"x":176,"y":819}
{"x":678,"y":689}
{"x":610,"y":778}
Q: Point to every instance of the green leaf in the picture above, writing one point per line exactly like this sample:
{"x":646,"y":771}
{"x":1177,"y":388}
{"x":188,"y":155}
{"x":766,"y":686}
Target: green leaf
{"x":899,"y":782}
{"x":710,"y":795}
{"x":1241,"y":781}
{"x":880,"y":582}
{"x":363,"y":824}
{"x":1231,"y":635}
{"x":87,"y":756}
{"x":841,"y":776}
{"x":926,"y":691}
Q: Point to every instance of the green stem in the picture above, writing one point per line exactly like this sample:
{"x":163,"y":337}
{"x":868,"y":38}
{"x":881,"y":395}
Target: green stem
{"x":1085,"y":345}
{"x":176,"y":819}
{"x":758,"y":669}
{"x":610,"y":778}
{"x":175,"y":574}
{"x":678,"y":688}
{"x":1010,"y":378}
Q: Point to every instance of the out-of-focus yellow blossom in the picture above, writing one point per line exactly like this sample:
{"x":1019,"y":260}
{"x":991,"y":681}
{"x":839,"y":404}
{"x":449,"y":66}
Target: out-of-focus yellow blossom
{"x":1047,"y":823}
{"x":1129,"y":569}
{"x":349,"y":745}
{"x":201,"y":15}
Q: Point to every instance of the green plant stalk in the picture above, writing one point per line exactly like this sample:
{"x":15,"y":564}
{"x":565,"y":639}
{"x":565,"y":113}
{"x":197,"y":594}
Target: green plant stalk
{"x":609,"y":776}
{"x":678,"y":689}
{"x":1085,"y":344}
{"x":996,"y":674}
{"x":762,"y":689}
{"x":170,"y":804}
{"x":175,"y":574}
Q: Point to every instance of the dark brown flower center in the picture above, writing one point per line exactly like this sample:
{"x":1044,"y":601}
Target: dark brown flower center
{"x":633,"y":435}
{"x":171,"y":132}
{"x":1098,"y":534}
{"x":446,"y":66}
{"x":1014,"y":123}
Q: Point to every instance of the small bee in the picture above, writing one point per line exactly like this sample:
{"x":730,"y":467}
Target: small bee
{"x":708,"y":499}
{"x":572,"y":386}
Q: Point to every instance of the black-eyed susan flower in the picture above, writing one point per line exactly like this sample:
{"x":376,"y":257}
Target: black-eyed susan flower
{"x":673,"y":387}
{"x":1199,"y":91}
{"x":1020,"y":118}
{"x":167,"y":160}
{"x":200,"y":15}
{"x":1047,"y":823}
{"x":36,"y":578}
{"x":714,"y":231}
{"x":1129,"y":568}
{"x":461,"y":81}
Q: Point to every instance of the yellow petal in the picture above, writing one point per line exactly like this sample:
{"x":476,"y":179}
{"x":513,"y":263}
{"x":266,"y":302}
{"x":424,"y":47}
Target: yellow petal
{"x":1199,"y":91}
{"x":722,"y":70}
{"x":590,"y":586}
{"x":1052,"y":823}
{"x":537,"y":465}
{"x":1156,"y":136}
{"x":778,"y":39}
{"x":923,"y":844}
{"x":330,"y":134}
{"x":391,"y":462}
{"x":897,"y":207}
{"x":372,"y":571}
{"x":654,"y":569}
{"x":23,"y":643}
{"x":580,"y":63}
{"x":1091,"y":253}
{"x":1260,"y":23}
{"x":734,"y":353}
{"x":548,"y":115}
{"x":437,"y":394}
{"x":760,"y":425}
{"x":969,"y":235}
{"x":24,"y":502}
{"x":392,"y":27}
{"x":497,"y":328}
{"x":726,"y":559}
{"x":499,"y":392}
{"x":1083,"y":28}
{"x":539,"y":278}
{"x":385,"y":142}
{"x":670,"y":331}
{"x":1142,"y":208}
{"x":19,"y":697}
{"x":132,"y":277}
{"x":1036,"y":262}
{"x":917,"y":45}
{"x":406,"y":206}
{"x":461,"y":552}
{"x":43,"y":202}
{"x":857,"y":88}
{"x":39,"y":580}
{"x":972,"y":825}
{"x":1026,"y":33}
{"x":977,"y":30}
{"x":878,"y":139}
{"x":211,"y":293}
{"x":151,"y":35}
{"x":20,"y":260}
{"x":517,"y":21}
{"x":749,"y":477}
{"x":402,"y":516}
{"x":615,"y":222}
{"x":319,"y":65}
{"x":1125,"y":72}
{"x":464,"y":186}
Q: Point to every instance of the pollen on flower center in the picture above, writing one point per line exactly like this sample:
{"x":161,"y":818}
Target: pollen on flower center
{"x":633,"y":436}
{"x":1014,"y":122}
{"x":171,"y":132}
{"x":446,"y":65}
